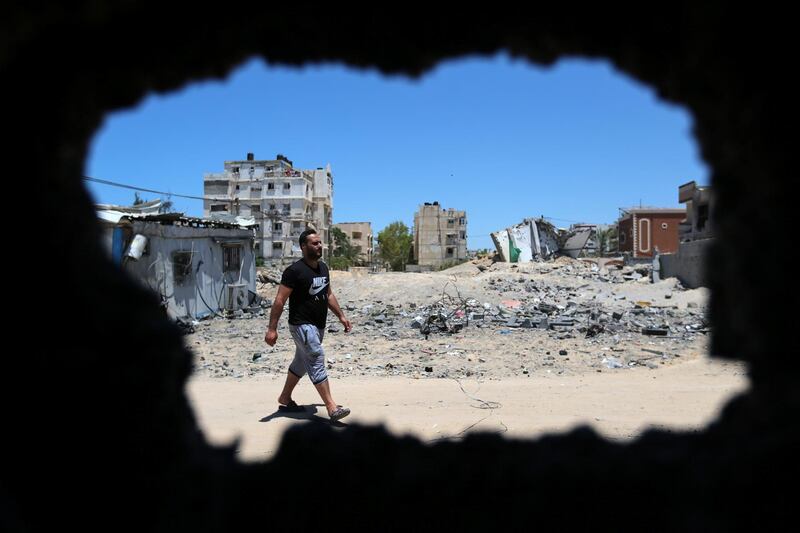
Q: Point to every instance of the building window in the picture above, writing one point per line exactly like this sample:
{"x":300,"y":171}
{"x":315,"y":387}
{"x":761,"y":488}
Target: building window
{"x":181,"y":267}
{"x":463,"y":235}
{"x":277,"y":246}
{"x":702,"y":217}
{"x":450,"y":252}
{"x":270,"y":186}
{"x":287,"y":186}
{"x":462,"y":221}
{"x":664,"y":225}
{"x":255,"y":208}
{"x":277,"y":226}
{"x":622,"y":238}
{"x":451,"y":222}
{"x":231,"y":257}
{"x":287,"y":208}
{"x":219,"y":207}
{"x":356,"y":234}
{"x":237,"y":187}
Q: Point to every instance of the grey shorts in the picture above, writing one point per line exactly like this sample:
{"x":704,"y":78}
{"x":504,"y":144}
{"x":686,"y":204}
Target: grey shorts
{"x":309,"y":358}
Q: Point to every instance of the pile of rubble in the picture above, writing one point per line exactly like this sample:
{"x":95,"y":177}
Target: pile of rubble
{"x":479,"y":319}
{"x":266,"y":275}
{"x":546,"y":306}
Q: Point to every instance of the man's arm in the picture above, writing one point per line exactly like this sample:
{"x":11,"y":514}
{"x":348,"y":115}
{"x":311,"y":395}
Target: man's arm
{"x":275,"y":314}
{"x":333,"y":305}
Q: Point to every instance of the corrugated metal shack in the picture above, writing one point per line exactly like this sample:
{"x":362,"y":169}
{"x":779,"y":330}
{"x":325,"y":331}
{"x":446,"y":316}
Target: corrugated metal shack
{"x":198,"y":267}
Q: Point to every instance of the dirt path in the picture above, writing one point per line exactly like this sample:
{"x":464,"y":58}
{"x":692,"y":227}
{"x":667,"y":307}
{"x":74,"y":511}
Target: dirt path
{"x":618,"y":403}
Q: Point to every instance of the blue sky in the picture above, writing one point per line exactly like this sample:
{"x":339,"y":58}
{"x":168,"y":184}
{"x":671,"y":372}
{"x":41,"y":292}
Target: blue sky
{"x":498,"y":137}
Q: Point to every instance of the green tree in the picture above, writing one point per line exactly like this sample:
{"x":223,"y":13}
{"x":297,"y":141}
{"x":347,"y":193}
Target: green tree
{"x":607,"y":240}
{"x":395,"y":242}
{"x":339,"y":263}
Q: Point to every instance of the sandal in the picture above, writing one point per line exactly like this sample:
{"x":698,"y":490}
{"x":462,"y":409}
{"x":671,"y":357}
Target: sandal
{"x":291,"y":407}
{"x":339,"y":413}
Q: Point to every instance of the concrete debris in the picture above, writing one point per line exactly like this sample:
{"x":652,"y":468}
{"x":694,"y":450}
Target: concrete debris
{"x":186,"y":325}
{"x":575,"y":242}
{"x":478,"y":323}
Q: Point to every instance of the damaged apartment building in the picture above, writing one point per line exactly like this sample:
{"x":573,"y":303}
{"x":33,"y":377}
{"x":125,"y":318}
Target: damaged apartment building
{"x":440,"y":237}
{"x":360,"y":235}
{"x":283,"y":201}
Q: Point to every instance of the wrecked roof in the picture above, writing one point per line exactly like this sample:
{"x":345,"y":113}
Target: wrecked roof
{"x":153,"y":207}
{"x":115,"y":216}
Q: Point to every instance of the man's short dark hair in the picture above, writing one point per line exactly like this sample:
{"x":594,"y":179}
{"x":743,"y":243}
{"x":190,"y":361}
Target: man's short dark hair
{"x":305,"y":234}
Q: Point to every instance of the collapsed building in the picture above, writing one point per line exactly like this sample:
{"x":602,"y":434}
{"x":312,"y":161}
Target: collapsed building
{"x":197,"y":267}
{"x":538,"y":239}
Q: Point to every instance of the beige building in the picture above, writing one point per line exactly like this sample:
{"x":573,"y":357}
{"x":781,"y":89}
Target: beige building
{"x":285,"y":201}
{"x":440,"y":235}
{"x":360,"y":235}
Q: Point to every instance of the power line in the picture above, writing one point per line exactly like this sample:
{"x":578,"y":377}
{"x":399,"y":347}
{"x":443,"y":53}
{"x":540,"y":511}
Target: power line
{"x":124,"y":186}
{"x":272,"y":215}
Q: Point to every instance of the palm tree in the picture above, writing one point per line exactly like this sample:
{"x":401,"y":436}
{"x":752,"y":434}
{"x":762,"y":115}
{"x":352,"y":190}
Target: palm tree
{"x":606,"y":240}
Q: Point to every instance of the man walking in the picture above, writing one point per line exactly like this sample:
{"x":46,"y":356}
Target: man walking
{"x":306,"y":283}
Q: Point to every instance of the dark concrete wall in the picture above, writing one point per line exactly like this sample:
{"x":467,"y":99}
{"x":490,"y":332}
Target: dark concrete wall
{"x":101,"y":433}
{"x":688,"y":265}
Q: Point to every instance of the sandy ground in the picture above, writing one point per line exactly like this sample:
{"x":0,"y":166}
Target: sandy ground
{"x":521,"y":382}
{"x":620,"y":404}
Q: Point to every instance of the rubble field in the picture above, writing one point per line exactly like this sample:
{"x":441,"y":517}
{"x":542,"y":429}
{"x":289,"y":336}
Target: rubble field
{"x":478,"y":320}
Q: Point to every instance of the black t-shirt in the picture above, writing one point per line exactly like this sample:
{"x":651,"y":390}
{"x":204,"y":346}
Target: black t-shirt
{"x":308,"y":303}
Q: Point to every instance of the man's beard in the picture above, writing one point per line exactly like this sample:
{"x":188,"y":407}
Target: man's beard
{"x":313,"y":254}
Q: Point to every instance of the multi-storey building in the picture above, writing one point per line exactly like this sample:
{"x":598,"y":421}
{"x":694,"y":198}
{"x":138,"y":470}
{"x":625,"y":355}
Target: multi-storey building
{"x":440,"y":235}
{"x":285,"y":201}
{"x":360,"y":235}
